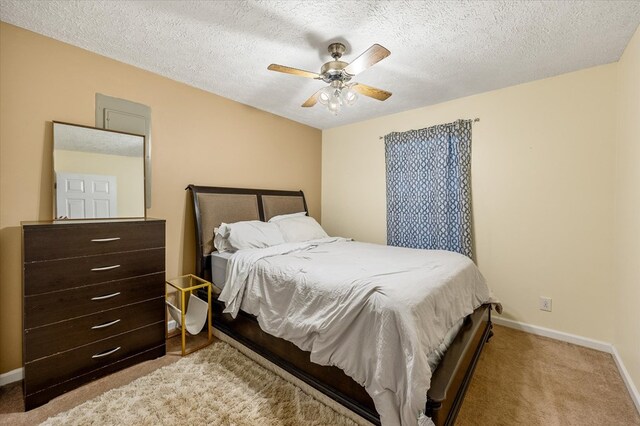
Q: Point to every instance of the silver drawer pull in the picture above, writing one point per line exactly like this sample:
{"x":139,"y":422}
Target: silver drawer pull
{"x":105,"y":268}
{"x":104,"y":240}
{"x":112,"y":351}
{"x":107,"y":296}
{"x":105,"y":325}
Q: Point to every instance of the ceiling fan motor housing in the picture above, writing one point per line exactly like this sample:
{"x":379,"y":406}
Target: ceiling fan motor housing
{"x":332,"y":70}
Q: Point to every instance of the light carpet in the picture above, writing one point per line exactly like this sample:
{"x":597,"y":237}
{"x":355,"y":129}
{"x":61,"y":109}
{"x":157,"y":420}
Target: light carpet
{"x":520,"y":379}
{"x":217,"y":385}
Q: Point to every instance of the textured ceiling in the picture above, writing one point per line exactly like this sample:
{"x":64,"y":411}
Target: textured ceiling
{"x":76,"y":138}
{"x":440,"y":50}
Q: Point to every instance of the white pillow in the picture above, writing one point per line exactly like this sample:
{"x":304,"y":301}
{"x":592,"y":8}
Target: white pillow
{"x":248,"y":234}
{"x":220,"y":238}
{"x":300,"y":228}
{"x":287,"y":216}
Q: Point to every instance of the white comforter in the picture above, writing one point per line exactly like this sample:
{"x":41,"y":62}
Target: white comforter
{"x":374,"y":311}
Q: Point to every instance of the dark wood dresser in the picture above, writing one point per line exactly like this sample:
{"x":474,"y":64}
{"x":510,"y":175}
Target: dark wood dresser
{"x":93,"y":301}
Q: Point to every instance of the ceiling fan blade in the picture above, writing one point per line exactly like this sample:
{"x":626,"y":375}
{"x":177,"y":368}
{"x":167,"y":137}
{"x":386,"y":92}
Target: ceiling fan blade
{"x":371,"y":56}
{"x":312,"y":100}
{"x":294,"y":71}
{"x":372,"y":92}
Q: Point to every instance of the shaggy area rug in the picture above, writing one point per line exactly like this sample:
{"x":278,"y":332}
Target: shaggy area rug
{"x":217,"y":385}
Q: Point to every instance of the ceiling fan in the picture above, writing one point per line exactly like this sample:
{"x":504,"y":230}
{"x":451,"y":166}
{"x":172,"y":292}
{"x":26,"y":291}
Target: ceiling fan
{"x":339,"y":74}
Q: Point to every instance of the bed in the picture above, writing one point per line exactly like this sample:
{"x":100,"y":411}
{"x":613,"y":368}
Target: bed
{"x":450,"y":379}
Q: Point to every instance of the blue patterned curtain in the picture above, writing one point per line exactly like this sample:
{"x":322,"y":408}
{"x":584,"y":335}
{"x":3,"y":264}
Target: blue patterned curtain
{"x":429,"y":188}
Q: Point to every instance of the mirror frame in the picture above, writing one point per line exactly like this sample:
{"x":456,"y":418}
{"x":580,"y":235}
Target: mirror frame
{"x":55,"y":183}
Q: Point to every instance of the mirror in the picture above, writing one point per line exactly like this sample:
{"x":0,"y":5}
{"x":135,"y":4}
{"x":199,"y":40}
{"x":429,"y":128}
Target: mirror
{"x":98,"y":174}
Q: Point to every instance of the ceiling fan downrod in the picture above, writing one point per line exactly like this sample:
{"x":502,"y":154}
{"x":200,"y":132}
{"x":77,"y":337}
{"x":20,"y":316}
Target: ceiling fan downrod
{"x":336,"y":50}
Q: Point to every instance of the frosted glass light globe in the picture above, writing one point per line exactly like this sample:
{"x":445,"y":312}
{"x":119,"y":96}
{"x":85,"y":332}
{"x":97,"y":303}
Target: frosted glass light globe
{"x":349,"y":96}
{"x":325,"y":95}
{"x":334,"y":106}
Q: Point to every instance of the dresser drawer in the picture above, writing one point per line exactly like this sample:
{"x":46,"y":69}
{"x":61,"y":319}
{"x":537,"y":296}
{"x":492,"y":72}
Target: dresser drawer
{"x":66,"y":335}
{"x":73,"y":240}
{"x":64,"y":366}
{"x":43,"y":309}
{"x":36,"y":397}
{"x":54,"y":275}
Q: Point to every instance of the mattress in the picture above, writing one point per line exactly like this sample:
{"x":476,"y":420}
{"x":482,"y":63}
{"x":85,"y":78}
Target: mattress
{"x":219,"y":267}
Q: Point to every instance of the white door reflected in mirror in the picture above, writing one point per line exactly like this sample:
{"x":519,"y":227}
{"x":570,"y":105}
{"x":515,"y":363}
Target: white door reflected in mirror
{"x":99,"y":174}
{"x":82,"y":196}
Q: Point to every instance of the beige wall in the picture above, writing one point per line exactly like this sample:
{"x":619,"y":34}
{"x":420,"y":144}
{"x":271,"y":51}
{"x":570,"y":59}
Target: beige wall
{"x":129,"y":173}
{"x":627,"y":211}
{"x":197,"y":137}
{"x":542,"y":179}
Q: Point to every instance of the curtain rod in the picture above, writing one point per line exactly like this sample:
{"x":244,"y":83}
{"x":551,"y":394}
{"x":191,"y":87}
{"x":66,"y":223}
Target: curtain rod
{"x":475,"y":120}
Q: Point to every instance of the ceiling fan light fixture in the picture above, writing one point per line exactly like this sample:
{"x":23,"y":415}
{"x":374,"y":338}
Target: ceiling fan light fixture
{"x":337,"y":95}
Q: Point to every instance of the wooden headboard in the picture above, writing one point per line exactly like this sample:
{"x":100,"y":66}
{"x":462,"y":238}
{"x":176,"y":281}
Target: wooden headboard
{"x":214,"y":205}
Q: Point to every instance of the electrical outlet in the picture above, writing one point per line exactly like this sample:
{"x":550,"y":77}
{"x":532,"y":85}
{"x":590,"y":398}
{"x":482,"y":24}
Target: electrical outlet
{"x":172,"y":325}
{"x":545,"y":304}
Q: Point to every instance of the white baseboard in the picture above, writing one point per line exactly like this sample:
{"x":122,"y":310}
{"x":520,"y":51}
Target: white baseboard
{"x":11,"y":376}
{"x":580,"y":341}
{"x":554,"y":334}
{"x":631,"y":387}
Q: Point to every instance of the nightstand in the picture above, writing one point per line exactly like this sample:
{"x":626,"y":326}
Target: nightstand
{"x":177,"y":290}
